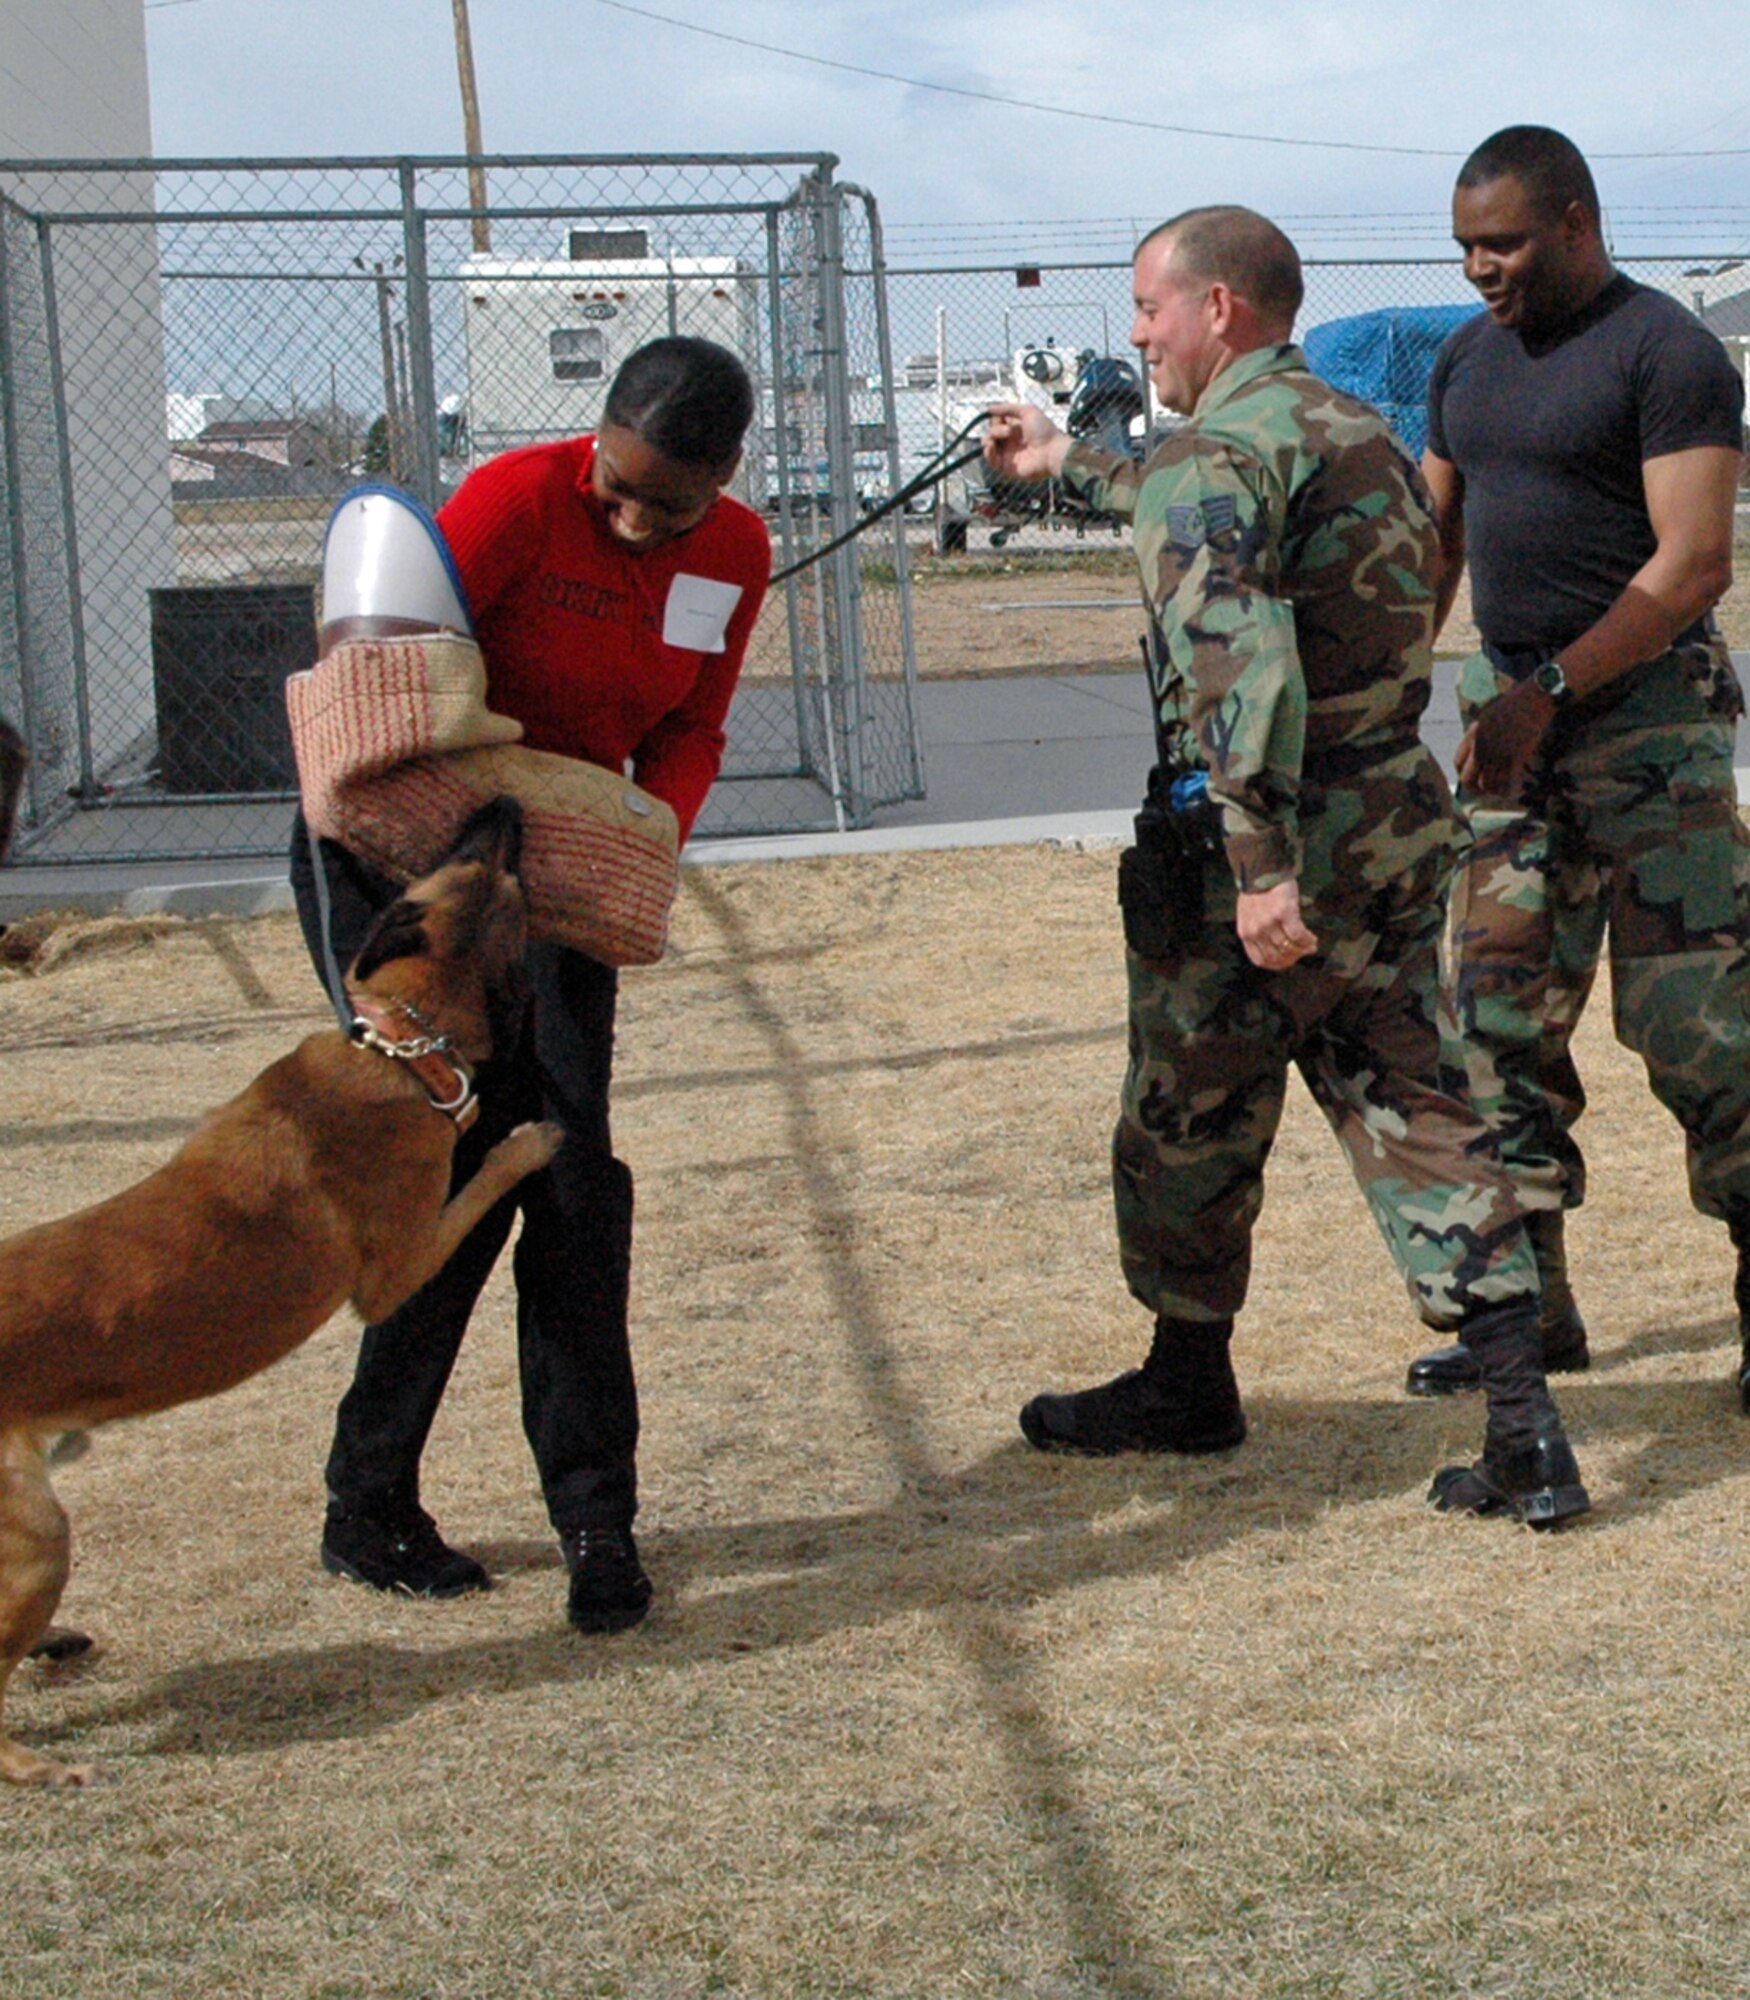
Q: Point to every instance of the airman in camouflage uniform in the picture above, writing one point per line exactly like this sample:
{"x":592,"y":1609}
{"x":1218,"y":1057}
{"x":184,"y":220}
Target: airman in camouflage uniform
{"x":1584,"y":454}
{"x":1288,"y":553}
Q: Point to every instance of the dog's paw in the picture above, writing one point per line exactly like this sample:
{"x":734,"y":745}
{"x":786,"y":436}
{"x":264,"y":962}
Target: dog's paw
{"x":59,"y":1643}
{"x":19,"y":1766}
{"x":530,"y":1147}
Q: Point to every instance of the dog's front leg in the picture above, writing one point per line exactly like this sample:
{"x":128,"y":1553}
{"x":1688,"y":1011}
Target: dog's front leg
{"x":521,"y":1153}
{"x":34,"y":1560}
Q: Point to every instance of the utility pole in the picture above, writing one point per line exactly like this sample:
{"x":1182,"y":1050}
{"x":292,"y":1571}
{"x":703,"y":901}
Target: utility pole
{"x":471,"y":129}
{"x":392,"y":412}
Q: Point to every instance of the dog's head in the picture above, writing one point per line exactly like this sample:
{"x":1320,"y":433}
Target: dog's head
{"x":452,"y":944}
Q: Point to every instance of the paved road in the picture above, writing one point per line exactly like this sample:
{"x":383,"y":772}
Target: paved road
{"x":1005,"y":759}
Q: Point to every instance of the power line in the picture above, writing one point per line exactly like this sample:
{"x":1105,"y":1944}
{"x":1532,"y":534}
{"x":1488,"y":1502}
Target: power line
{"x":1024,"y":103}
{"x":1108,"y":118}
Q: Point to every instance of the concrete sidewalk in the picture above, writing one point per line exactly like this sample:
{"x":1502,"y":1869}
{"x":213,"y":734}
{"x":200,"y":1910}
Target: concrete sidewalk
{"x":1006,"y":761}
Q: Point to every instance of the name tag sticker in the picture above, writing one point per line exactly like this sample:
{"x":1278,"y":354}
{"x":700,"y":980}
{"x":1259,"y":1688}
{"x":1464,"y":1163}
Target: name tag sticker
{"x":697,"y":613}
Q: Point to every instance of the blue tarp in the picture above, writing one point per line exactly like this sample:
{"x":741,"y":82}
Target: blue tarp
{"x":1385,"y":358}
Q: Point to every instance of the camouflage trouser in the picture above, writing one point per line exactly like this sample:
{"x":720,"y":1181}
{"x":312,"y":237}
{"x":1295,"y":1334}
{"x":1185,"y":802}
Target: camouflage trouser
{"x":1631,"y":825}
{"x":1211,"y":1038}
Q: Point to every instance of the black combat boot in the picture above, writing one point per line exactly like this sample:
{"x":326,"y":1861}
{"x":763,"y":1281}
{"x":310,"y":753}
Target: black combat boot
{"x":1450,"y":1370}
{"x":1527,"y":1468}
{"x":1183,"y":1398}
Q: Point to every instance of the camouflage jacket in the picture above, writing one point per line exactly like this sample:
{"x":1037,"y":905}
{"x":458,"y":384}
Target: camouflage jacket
{"x":1288,"y":558}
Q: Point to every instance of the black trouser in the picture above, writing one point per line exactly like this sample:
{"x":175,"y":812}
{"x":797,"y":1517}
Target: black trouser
{"x":572,"y":1263}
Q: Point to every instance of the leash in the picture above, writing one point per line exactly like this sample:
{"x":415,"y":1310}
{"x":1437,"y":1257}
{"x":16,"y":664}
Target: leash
{"x":332,"y":976}
{"x":934,"y":472}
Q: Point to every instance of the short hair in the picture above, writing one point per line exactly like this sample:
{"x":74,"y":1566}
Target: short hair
{"x":1548,"y":165}
{"x":1240,"y":249}
{"x":687,"y":398}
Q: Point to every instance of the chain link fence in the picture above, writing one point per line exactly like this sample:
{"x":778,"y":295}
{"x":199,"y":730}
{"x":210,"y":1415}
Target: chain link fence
{"x":197,"y":359}
{"x":966,"y":334}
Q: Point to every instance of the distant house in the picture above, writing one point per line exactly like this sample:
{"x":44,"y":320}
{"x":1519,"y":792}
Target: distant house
{"x":281,"y":440}
{"x":224,"y":466}
{"x":249,"y":456}
{"x":1719,"y":296}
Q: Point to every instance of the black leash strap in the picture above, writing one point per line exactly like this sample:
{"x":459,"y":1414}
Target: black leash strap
{"x":332,"y":976}
{"x":934,"y":472}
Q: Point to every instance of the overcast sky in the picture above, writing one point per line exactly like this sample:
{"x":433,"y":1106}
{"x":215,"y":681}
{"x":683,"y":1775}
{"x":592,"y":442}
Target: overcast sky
{"x":1431,"y":77}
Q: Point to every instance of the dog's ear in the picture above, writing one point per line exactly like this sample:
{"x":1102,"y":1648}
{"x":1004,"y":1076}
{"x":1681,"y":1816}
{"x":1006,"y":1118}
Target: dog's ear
{"x":493,"y":833}
{"x":398,"y":933}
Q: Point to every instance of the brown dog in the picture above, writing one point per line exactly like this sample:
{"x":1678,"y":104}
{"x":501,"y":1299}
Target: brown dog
{"x":327,"y":1180}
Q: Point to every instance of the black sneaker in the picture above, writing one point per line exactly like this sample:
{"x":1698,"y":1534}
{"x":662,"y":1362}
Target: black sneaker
{"x":609,"y":1590}
{"x":405,"y":1554}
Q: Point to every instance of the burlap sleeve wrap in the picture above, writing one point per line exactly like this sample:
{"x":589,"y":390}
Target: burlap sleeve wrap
{"x":396,"y":746}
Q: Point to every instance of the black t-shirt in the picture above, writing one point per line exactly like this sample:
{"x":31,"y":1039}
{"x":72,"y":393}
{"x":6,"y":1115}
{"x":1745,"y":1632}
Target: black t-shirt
{"x":1549,"y":437}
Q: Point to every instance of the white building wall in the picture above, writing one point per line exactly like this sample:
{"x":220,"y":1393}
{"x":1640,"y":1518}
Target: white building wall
{"x":73,"y":80}
{"x":73,"y":85}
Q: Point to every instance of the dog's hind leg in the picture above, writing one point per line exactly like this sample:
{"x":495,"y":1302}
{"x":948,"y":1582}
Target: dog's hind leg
{"x":514,"y":1158}
{"x":35,"y":1555}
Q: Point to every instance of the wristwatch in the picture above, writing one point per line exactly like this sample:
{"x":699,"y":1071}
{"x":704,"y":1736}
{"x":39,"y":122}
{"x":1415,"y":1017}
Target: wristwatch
{"x":1553,"y":681}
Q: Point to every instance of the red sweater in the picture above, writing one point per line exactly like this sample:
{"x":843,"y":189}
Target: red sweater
{"x":571,"y":621}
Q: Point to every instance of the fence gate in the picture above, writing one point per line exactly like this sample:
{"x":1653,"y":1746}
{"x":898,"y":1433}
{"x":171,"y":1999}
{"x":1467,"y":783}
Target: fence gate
{"x":198,"y":357}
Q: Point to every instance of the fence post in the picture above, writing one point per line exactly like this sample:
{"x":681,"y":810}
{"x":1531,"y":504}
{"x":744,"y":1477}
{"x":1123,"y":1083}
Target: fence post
{"x":778,"y":407}
{"x":841,"y":486}
{"x":86,"y":787}
{"x":422,"y":469}
{"x":896,"y":479}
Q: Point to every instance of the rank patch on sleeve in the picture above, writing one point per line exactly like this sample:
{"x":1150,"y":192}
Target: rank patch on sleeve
{"x":1189,"y":527}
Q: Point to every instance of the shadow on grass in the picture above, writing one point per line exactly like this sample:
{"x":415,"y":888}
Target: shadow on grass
{"x":1010,"y":1532}
{"x":973,"y":1549}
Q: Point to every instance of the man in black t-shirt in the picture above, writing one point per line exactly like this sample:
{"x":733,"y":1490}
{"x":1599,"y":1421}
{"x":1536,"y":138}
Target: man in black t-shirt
{"x":1583,"y":453}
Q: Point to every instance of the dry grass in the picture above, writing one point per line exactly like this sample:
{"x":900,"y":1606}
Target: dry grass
{"x":919,"y":1712}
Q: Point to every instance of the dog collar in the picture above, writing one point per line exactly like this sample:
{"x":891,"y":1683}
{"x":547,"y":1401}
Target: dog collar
{"x":447,"y":1080}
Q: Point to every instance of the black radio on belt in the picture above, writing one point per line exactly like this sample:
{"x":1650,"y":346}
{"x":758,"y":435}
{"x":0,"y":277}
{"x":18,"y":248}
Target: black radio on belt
{"x":1160,"y":879}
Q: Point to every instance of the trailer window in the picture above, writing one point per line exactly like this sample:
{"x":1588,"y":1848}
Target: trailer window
{"x":576,"y":353}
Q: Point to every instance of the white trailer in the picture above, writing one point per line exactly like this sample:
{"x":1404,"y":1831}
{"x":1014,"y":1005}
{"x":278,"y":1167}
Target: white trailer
{"x":545,"y":336}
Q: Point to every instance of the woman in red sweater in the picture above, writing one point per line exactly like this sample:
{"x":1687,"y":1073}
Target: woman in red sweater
{"x":613,"y":587}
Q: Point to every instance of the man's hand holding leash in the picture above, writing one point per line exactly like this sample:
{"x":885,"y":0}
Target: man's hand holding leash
{"x":1023,"y":443}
